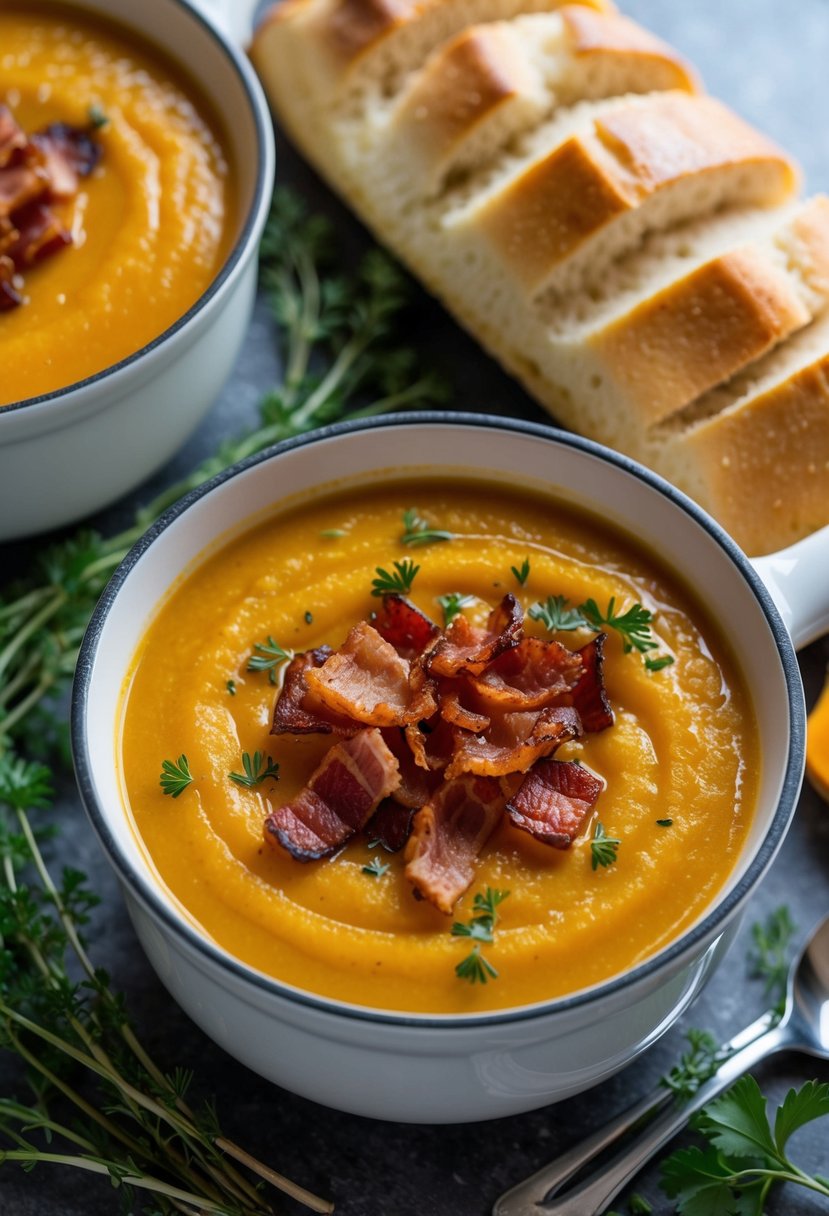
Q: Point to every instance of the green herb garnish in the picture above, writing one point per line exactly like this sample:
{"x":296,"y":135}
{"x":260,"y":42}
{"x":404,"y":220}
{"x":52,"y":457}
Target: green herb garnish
{"x":603,"y":848}
{"x":332,"y":533}
{"x":398,"y":583}
{"x":416,"y":530}
{"x":522,"y":573}
{"x":768,"y":958}
{"x":230,"y":685}
{"x":376,"y":868}
{"x":257,"y":768}
{"x":97,"y":118}
{"x":309,"y":618}
{"x":744,"y":1157}
{"x":633,"y":626}
{"x":664,"y":660}
{"x":638,"y":1205}
{"x":481,"y":928}
{"x":269,"y":656}
{"x":696,"y":1065}
{"x":475,"y":968}
{"x":452,"y":605}
{"x":175,"y":776}
{"x":665,"y":823}
{"x":556,"y":616}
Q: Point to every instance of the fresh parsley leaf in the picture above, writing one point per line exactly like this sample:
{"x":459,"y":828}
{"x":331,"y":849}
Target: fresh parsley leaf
{"x":742,"y":1159}
{"x":399,"y":583}
{"x":800,"y":1107}
{"x":486,"y":905}
{"x":768,"y":958}
{"x":376,"y":868}
{"x":664,"y":660}
{"x":556,"y":616}
{"x":257,"y":768}
{"x":633,"y":626}
{"x":269,"y":656}
{"x":416,"y":530}
{"x":695,"y":1066}
{"x":603,"y":848}
{"x":452,"y":606}
{"x":522,"y":572}
{"x":24,"y":784}
{"x":175,"y":776}
{"x":475,"y":968}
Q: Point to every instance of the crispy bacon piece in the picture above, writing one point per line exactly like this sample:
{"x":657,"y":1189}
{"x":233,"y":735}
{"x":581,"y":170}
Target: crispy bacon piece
{"x":514,"y":742}
{"x":39,"y":233}
{"x":554,"y":801}
{"x":457,"y":714}
{"x":531,"y":675}
{"x":432,"y":743}
{"x":344,"y":791}
{"x":416,"y":782}
{"x":367,"y":680}
{"x":589,"y":695}
{"x":19,"y":185}
{"x":68,"y":154}
{"x":296,"y":712}
{"x":391,"y":824}
{"x":464,"y":648}
{"x":404,"y":626}
{"x":448,"y":834}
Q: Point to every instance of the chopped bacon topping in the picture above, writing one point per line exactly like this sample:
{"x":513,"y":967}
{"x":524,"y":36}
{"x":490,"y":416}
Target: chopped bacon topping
{"x":339,"y":799}
{"x":391,"y":824}
{"x":554,"y":801}
{"x":464,"y":720}
{"x":367,"y":680}
{"x":296,"y":712}
{"x":589,"y":695}
{"x":514,"y":742}
{"x":529,"y":676}
{"x":404,"y":626}
{"x":464,"y":648}
{"x":448,"y":834}
{"x":34,"y":173}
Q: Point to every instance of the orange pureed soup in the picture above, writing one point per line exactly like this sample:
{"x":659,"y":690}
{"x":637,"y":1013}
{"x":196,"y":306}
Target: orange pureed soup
{"x":150,"y":226}
{"x":681,"y":762}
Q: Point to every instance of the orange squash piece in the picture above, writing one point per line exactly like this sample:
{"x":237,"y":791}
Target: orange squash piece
{"x":817,"y":744}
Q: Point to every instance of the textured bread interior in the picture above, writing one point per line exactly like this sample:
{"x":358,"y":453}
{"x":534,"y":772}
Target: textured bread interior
{"x":629,"y":249}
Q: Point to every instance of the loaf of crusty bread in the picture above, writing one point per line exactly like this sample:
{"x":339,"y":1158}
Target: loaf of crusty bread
{"x":627,"y":246}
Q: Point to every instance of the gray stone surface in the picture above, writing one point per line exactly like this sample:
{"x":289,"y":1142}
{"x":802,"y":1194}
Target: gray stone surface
{"x":769,"y":59}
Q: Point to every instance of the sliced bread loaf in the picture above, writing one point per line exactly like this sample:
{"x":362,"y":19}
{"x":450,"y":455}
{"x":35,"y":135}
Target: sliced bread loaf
{"x":492,"y":82}
{"x":755,"y":452}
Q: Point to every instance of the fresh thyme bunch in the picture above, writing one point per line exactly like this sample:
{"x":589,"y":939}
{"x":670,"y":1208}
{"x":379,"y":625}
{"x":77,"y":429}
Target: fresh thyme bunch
{"x":58,"y":1013}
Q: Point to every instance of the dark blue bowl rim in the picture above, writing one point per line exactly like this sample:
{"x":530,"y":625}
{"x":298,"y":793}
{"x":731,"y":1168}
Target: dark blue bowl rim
{"x":259,"y":111}
{"x":149,"y":895}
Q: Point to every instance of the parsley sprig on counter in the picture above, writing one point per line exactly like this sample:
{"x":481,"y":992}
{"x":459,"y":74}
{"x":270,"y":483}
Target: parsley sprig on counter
{"x":340,"y":360}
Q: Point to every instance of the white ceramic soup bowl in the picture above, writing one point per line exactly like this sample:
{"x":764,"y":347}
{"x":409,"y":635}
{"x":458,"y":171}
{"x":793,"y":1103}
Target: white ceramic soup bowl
{"x":418,"y":1067}
{"x":73,"y":451}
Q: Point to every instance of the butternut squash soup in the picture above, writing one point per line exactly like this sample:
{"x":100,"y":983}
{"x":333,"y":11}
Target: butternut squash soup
{"x":137,"y":235}
{"x":438,"y":748}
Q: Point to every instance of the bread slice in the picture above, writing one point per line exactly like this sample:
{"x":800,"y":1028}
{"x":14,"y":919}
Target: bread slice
{"x":755,"y":452}
{"x":557,"y":213}
{"x":492,"y":82}
{"x":686,"y":313}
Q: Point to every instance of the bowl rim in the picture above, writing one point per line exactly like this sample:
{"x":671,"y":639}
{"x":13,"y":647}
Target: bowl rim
{"x":248,"y":232}
{"x":151,"y":894}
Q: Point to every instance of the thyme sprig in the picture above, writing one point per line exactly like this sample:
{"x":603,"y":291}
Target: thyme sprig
{"x":417,"y":531}
{"x":269,"y":656}
{"x":452,"y":604}
{"x":175,"y":776}
{"x":340,"y":360}
{"x":258,"y":768}
{"x":476,"y":968}
{"x":633,"y":625}
{"x":399,"y":582}
{"x":136,"y":1124}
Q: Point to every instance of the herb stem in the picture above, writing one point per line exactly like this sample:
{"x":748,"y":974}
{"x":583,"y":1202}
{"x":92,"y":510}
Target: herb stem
{"x":54,"y":604}
{"x":144,"y":1182}
{"x":275,"y":1179}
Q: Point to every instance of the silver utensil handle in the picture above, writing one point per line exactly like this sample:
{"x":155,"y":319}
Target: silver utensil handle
{"x":535,"y":1196}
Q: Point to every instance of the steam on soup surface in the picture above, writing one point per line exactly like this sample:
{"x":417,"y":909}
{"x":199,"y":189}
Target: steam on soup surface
{"x":679,"y":765}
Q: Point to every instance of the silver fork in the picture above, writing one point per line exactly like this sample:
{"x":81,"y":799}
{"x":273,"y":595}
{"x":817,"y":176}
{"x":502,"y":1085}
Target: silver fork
{"x":803,"y":1027}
